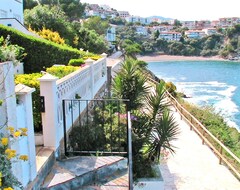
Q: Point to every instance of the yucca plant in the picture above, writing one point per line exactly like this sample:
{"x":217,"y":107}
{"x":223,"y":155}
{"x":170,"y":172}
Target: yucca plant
{"x":156,"y":101}
{"x":164,"y":130}
{"x":130,"y":84}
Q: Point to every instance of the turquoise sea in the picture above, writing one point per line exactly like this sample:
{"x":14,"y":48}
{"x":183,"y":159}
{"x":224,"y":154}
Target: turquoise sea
{"x":215,"y":83}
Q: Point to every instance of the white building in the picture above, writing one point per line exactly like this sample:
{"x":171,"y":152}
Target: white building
{"x":134,"y":19}
{"x":12,"y":9}
{"x":11,"y":14}
{"x":142,"y":30}
{"x":111,"y":35}
{"x":195,"y":34}
{"x":210,"y":31}
{"x":123,"y":14}
{"x":170,"y":35}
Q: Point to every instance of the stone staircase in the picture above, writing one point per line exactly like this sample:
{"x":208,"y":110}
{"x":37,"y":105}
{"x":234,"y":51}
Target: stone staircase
{"x":88,"y":173}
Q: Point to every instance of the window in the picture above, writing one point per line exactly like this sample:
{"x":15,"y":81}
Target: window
{"x":3,"y":14}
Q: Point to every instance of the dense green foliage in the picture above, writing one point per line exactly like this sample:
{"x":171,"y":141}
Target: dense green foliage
{"x":224,"y":43}
{"x":153,"y":128}
{"x":96,"y":23}
{"x":10,"y":52}
{"x":215,"y":123}
{"x":89,"y":40}
{"x":38,"y":18}
{"x":130,"y":84}
{"x":41,"y":53}
{"x":32,"y":81}
{"x":76,"y":62}
{"x":65,"y":20}
{"x":106,"y":131}
{"x":61,"y":71}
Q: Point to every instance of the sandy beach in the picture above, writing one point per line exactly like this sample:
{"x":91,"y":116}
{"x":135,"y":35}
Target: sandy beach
{"x":154,"y":58}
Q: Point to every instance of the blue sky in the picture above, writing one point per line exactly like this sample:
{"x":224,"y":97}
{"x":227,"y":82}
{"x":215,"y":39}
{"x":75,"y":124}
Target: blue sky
{"x":179,"y":9}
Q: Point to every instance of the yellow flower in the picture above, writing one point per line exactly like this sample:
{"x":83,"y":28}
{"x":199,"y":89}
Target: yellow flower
{"x":17,"y":133}
{"x":10,"y":153}
{"x":8,"y":188}
{"x":4,"y":141}
{"x":24,"y":130}
{"x":11,"y":129}
{"x":23,"y":157}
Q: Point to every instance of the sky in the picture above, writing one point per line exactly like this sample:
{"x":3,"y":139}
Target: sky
{"x":176,"y":9}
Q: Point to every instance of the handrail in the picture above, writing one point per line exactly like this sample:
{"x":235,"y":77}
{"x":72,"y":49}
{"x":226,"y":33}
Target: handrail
{"x":205,"y":131}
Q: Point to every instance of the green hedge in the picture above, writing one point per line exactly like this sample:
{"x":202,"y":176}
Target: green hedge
{"x":41,"y":53}
{"x":76,"y":62}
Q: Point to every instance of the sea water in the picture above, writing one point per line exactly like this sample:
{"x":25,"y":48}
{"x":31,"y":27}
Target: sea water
{"x":214,"y":83}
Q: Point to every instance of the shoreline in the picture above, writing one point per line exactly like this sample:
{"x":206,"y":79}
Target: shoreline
{"x":156,"y":58}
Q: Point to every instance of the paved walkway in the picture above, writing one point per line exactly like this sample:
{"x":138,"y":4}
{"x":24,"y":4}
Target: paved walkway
{"x":194,"y":166}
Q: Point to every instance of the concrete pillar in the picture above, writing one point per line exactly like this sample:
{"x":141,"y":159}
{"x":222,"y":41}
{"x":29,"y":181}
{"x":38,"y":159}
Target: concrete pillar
{"x":7,"y":95}
{"x":90,"y":63}
{"x":48,"y":89}
{"x":25,"y":96}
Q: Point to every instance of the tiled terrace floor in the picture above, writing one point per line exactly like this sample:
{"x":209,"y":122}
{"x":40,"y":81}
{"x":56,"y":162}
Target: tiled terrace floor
{"x":194,"y":166}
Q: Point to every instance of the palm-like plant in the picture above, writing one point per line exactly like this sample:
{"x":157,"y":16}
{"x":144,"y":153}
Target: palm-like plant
{"x":130,"y":84}
{"x":164,"y":130}
{"x":157,"y":101}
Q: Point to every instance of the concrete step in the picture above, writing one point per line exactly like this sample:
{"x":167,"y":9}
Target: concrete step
{"x":118,"y":181}
{"x":45,"y":160}
{"x":77,"y":172}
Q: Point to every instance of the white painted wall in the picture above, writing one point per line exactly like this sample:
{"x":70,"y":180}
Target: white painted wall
{"x":14,"y":23}
{"x":85,"y":82}
{"x":150,"y":183}
{"x":12,"y":9}
{"x":18,"y":116}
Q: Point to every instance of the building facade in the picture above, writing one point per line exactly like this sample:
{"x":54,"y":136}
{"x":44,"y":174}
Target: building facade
{"x":12,"y":9}
{"x":170,"y":36}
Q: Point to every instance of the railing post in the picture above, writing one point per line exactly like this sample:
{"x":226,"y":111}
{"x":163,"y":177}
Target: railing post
{"x":191,"y":123}
{"x":220,"y":158}
{"x":48,"y":89}
{"x":181,"y":112}
{"x":90,"y":63}
{"x":130,"y":169}
{"x":203,"y":134}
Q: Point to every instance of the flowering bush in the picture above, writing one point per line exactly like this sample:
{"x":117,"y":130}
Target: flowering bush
{"x":9,"y":52}
{"x":7,"y":156}
{"x":49,"y":35}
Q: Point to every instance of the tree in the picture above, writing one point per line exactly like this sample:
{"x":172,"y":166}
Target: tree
{"x":130,"y":84}
{"x":74,"y":9}
{"x":29,"y":4}
{"x":164,"y":130}
{"x":156,"y":34}
{"x":91,"y":41}
{"x":97,"y":24}
{"x":50,"y":17}
{"x":156,"y":101}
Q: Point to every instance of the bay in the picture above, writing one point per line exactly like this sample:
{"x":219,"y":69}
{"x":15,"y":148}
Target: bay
{"x":214,"y":83}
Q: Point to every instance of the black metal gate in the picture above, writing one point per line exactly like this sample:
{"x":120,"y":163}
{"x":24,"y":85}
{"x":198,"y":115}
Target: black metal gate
{"x":95,"y":127}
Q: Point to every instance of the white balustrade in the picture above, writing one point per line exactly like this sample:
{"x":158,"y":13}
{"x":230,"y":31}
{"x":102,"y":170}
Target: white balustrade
{"x":84,"y":83}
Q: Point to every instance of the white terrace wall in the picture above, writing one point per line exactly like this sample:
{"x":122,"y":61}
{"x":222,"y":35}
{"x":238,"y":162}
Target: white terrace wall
{"x":85,"y":83}
{"x":18,"y":116}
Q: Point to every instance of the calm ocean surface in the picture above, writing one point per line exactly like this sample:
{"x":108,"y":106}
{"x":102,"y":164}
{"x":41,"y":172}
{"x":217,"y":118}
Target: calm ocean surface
{"x":215,"y":83}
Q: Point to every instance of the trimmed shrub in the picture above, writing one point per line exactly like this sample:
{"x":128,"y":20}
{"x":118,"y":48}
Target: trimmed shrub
{"x":61,"y":71}
{"x":76,"y":62}
{"x":41,"y":53}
